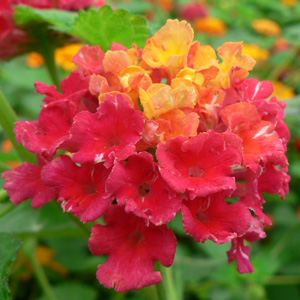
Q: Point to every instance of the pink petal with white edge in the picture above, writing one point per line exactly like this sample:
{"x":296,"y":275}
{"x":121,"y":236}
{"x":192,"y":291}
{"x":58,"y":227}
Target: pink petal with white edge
{"x":201,"y":165}
{"x":111,"y":133}
{"x":132,"y":249}
{"x":47,"y":134}
{"x":25,"y":182}
{"x":138,"y":185}
{"x":240,"y":253}
{"x":212,"y":218}
{"x":81,"y":189}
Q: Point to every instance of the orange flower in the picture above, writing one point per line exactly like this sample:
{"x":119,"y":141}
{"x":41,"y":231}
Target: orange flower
{"x":289,"y":3}
{"x":256,"y":52}
{"x":34,"y":60}
{"x":282,"y":91}
{"x":210,"y":25}
{"x":169,"y":47}
{"x":266,"y":27}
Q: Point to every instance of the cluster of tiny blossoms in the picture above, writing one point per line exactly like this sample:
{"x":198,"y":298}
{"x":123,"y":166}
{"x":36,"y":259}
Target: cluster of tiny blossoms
{"x":148,"y":133}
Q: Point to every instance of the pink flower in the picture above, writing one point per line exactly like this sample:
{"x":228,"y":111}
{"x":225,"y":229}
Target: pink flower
{"x":81,"y":189}
{"x":138,"y":185}
{"x":25,"y":182}
{"x":260,"y":140}
{"x":201,"y":165}
{"x":50,"y":132}
{"x":132,"y":249}
{"x":112,"y":132}
{"x":212,"y":218}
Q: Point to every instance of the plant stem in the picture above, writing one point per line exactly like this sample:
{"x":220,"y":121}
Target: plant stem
{"x":166,"y":289}
{"x":3,"y":195}
{"x":6,"y":208}
{"x":48,"y":53}
{"x":7,"y":121}
{"x":39,"y":271}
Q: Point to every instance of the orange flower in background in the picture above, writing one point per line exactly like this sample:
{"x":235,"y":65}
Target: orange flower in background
{"x":210,"y":25}
{"x":34,"y":60}
{"x":266,"y":27}
{"x":290,"y":3}
{"x":282,"y":91}
{"x":63,"y":57}
{"x":256,"y":52}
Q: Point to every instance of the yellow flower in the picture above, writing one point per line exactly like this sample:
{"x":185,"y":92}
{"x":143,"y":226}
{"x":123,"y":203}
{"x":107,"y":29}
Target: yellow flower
{"x":169,"y":47}
{"x":210,"y":25}
{"x":266,"y":27}
{"x":256,"y":52}
{"x":34,"y":60}
{"x":64,"y":56}
{"x":282,"y":91}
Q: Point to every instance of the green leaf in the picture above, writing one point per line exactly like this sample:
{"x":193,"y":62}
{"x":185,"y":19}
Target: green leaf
{"x":104,"y":26}
{"x":60,"y":20}
{"x":9,"y":247}
{"x":73,"y":290}
{"x":46,"y":220}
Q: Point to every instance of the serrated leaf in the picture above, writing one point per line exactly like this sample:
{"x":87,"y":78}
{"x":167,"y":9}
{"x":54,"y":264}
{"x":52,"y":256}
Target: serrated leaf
{"x":9,"y":247}
{"x":61,"y":20}
{"x":104,"y":26}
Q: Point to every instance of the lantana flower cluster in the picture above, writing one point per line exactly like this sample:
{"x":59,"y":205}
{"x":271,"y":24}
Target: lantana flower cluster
{"x":149,"y":133}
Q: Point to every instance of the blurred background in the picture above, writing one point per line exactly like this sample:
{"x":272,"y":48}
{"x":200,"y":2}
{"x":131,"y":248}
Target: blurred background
{"x":270,"y":30}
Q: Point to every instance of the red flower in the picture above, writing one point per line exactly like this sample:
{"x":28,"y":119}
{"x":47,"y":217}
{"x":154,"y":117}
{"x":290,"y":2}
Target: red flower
{"x":240,"y":252}
{"x":90,"y":59}
{"x":212,"y":218}
{"x":138,"y":185}
{"x":201,"y":165}
{"x":260,"y":140}
{"x":110,"y":133}
{"x":81,"y":189}
{"x":25,"y":182}
{"x":132,"y":249}
{"x":49,"y":133}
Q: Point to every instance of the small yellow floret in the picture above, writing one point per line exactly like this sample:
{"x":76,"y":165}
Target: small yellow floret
{"x":256,"y":52}
{"x":266,"y":27}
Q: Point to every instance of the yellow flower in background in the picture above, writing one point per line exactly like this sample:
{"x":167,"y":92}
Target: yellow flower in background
{"x":210,"y":25}
{"x":266,"y":27}
{"x":256,"y":52}
{"x":282,"y":91}
{"x":290,"y":3}
{"x":64,"y":56}
{"x":34,"y":60}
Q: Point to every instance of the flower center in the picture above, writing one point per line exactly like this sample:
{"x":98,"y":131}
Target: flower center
{"x":196,"y":172}
{"x":144,"y":189}
{"x":90,"y":188}
{"x":136,"y":237}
